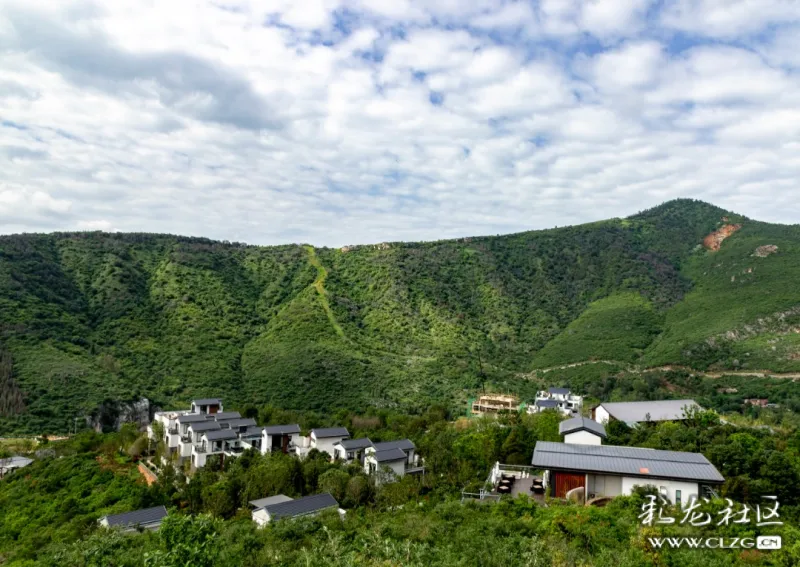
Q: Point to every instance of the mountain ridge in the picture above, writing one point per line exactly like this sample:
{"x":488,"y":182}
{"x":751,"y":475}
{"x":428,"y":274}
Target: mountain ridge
{"x":88,"y":317}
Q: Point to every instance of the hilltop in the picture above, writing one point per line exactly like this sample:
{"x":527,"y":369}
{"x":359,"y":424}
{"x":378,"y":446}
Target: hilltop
{"x":87,"y":317}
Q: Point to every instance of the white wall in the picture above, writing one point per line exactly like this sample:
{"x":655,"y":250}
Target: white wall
{"x":266,"y":442}
{"x":686,"y":488}
{"x":326,"y":444}
{"x":601,"y":415}
{"x":261,"y":517}
{"x":583,"y":438}
{"x":386,"y":472}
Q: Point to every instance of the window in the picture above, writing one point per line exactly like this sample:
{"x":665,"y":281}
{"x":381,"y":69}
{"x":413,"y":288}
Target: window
{"x":677,"y":497}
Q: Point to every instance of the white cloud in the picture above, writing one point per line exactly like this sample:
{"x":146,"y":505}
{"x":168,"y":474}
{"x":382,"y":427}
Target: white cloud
{"x":363,"y":122}
{"x":728,"y":18}
{"x":605,"y":18}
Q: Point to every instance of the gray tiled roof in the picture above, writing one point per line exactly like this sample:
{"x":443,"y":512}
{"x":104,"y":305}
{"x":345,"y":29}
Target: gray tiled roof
{"x":252,"y":432}
{"x":205,"y":426}
{"x":223,"y":415}
{"x":221,"y":435}
{"x":546,"y":403}
{"x":241,"y":422}
{"x":327,"y":432}
{"x":269,"y":501}
{"x":207,"y":402}
{"x":389,"y":455}
{"x":350,"y":444}
{"x":581,"y":423}
{"x":629,"y":461}
{"x":562,"y":391}
{"x":301,"y":506}
{"x":191,"y":418}
{"x":282,"y":429}
{"x":138,"y":517}
{"x":404,"y":444}
{"x":658,"y":410}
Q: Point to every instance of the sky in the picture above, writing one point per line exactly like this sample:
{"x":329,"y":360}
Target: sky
{"x":336,"y":122}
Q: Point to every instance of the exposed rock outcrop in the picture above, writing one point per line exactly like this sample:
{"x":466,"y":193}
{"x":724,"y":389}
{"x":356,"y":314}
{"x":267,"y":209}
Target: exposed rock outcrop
{"x":714,"y":240}
{"x":764,"y":251}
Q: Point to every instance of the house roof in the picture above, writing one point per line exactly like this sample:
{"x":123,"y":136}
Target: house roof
{"x":221,"y":435}
{"x":251,"y":432}
{"x":137,"y":517}
{"x":282,"y":429}
{"x":204,"y":426}
{"x":581,"y":423}
{"x":191,"y":418}
{"x":546,"y":403}
{"x":562,"y":391}
{"x":389,"y":455}
{"x":242,"y":422}
{"x":628,"y":461}
{"x":301,"y":506}
{"x":223,"y":415}
{"x":207,"y":402}
{"x":350,"y":444}
{"x":327,"y":432}
{"x":404,"y":444}
{"x":269,"y":501}
{"x":658,"y":410}
{"x":15,"y":462}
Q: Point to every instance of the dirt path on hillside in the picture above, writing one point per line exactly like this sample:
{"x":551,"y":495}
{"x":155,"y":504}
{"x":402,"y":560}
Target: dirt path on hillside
{"x":668,"y":368}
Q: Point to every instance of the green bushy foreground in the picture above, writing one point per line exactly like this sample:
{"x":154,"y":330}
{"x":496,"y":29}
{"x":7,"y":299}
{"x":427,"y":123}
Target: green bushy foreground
{"x":91,"y":317}
{"x":49,"y":510}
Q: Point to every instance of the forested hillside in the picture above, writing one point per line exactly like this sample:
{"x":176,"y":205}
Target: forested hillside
{"x":86,"y":317}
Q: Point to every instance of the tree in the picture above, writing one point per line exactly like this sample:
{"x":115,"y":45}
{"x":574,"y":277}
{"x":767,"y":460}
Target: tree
{"x":187,"y":540}
{"x":334,"y":481}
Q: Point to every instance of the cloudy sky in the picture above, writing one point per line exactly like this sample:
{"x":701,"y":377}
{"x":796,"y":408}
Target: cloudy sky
{"x":352,"y":121}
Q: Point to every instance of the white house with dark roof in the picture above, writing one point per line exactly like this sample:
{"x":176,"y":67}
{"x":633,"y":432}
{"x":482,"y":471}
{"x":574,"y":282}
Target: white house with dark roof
{"x":147,"y":519}
{"x":633,"y":413}
{"x":391,"y":460}
{"x":582,"y":431}
{"x":281,"y":438}
{"x":351,"y":450}
{"x":214,"y":442}
{"x":282,"y":507}
{"x":608,"y":471}
{"x":324,"y":439}
{"x":561,"y":399}
{"x":206,"y":405}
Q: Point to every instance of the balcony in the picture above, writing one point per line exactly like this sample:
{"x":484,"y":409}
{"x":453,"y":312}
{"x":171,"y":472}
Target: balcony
{"x":200,"y":448}
{"x":173,"y":430}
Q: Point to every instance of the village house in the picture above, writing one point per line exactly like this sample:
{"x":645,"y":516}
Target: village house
{"x":494,"y":403}
{"x":351,"y":450}
{"x":391,"y":460}
{"x":280,"y":438}
{"x":279,"y":507}
{"x":147,"y":519}
{"x":583,"y":467}
{"x":326,"y":438}
{"x":582,"y":431}
{"x":561,"y":399}
{"x":634,"y":413}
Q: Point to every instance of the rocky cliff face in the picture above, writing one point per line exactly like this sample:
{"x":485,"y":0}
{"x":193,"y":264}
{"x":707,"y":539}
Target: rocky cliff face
{"x":110,"y":416}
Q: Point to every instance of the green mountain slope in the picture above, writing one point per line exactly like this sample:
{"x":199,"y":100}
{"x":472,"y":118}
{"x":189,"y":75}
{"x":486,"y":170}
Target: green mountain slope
{"x":88,"y":317}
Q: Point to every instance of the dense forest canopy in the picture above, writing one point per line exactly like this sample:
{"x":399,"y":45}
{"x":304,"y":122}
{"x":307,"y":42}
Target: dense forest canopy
{"x":90,"y":317}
